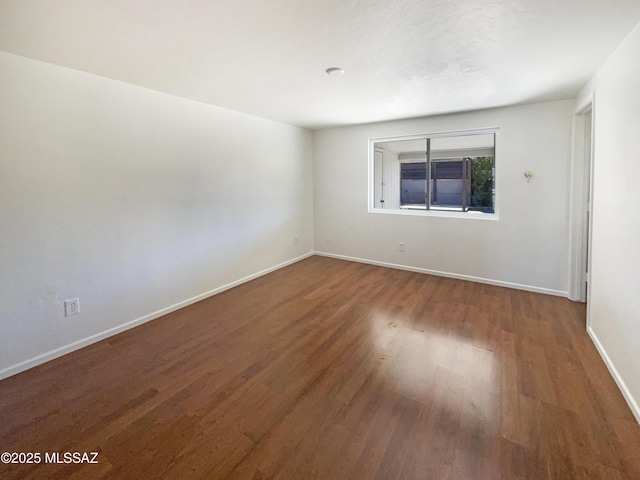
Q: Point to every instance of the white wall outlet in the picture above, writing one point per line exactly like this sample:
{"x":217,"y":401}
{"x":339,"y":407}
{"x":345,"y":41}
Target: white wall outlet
{"x":401,"y":246}
{"x":296,"y":240}
{"x":327,"y":237}
{"x":71,"y":307}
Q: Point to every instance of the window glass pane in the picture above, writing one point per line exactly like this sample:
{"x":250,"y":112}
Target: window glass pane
{"x":448,"y":184}
{"x":482,"y":184}
{"x":459,"y":146}
{"x":413,"y":188}
{"x":391,"y":160}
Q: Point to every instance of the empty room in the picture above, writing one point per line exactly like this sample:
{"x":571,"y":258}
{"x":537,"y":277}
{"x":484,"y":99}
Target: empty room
{"x":292,"y":239}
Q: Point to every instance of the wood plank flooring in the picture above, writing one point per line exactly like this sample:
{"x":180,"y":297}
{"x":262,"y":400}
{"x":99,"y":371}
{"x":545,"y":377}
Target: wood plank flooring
{"x":328,"y":369}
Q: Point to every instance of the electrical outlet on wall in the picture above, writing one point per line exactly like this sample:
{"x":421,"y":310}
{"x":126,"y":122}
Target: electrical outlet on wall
{"x":71,"y":307}
{"x":296,"y":240}
{"x":401,"y":246}
{"x":327,"y":237}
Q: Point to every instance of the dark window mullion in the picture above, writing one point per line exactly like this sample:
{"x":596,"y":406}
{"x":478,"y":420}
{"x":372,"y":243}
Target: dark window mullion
{"x":427,"y":197}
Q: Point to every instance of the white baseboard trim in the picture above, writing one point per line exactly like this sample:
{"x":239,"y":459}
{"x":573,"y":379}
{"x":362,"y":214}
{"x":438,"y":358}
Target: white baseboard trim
{"x":488,"y":281}
{"x":58,"y":352}
{"x":633,"y":404}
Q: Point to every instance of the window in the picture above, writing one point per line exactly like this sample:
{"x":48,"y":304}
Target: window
{"x":443,"y":172}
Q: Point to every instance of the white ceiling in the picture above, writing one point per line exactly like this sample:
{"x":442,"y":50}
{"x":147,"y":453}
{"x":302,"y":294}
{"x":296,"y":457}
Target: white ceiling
{"x":403,"y":58}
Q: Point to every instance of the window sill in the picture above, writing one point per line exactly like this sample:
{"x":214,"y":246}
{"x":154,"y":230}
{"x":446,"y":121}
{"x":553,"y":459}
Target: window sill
{"x":437,"y":213}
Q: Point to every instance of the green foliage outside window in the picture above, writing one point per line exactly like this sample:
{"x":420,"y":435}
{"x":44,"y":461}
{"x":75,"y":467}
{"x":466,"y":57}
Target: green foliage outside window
{"x":482,"y":181}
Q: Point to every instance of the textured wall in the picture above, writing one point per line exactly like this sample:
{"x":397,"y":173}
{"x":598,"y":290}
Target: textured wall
{"x":133,"y":201}
{"x":527,"y":246}
{"x":614,"y":301}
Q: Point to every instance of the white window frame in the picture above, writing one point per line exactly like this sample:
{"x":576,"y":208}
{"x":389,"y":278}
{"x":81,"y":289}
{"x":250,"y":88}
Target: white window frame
{"x":437,"y":213}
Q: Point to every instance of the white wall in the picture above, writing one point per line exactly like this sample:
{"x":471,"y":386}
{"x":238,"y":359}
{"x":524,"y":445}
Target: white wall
{"x":134,"y":201}
{"x":527,"y":247}
{"x":614,"y":301}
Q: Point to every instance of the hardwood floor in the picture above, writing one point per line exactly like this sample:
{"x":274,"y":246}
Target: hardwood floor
{"x":333,"y":370}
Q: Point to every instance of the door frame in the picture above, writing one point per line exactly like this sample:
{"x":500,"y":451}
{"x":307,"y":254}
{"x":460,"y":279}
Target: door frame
{"x":581,"y":189}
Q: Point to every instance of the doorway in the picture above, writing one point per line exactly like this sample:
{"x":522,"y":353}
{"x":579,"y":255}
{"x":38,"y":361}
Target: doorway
{"x":581,"y":201}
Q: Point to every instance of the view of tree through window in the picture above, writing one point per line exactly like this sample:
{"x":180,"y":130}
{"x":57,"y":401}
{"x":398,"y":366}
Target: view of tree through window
{"x":482,"y":182}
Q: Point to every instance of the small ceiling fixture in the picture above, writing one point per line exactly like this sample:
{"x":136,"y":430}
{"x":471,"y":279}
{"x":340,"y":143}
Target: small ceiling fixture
{"x":335,"y":71}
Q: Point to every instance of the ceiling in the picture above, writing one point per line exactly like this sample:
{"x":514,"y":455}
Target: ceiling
{"x":402,"y":58}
